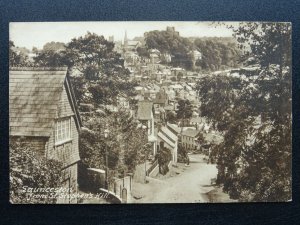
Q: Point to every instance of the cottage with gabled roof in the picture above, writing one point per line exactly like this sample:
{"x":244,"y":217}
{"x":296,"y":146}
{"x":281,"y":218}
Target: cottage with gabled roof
{"x":43,"y":111}
{"x":145,"y":114}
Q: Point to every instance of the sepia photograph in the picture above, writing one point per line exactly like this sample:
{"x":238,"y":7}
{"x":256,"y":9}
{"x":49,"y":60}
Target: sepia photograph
{"x":150,"y":112}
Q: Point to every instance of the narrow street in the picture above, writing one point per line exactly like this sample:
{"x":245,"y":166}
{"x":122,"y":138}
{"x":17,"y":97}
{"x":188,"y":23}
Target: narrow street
{"x":181,"y":185}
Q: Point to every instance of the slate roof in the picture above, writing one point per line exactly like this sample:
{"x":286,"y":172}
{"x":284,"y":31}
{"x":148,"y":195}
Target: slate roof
{"x":133,"y":43}
{"x":34,"y":95}
{"x":174,"y":128}
{"x":190,"y":132}
{"x":176,"y":86}
{"x":144,"y":111}
{"x":196,"y":120}
{"x":168,"y":136}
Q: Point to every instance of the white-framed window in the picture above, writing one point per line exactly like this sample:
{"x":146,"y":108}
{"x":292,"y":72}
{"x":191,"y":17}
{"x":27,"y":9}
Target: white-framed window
{"x":63,"y":130}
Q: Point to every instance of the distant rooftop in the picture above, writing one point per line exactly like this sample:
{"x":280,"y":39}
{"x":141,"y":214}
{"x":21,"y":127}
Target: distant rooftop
{"x":190,"y":132}
{"x":144,"y":111}
{"x":174,"y":128}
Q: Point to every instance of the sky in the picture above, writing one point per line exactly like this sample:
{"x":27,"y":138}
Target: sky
{"x":29,"y":34}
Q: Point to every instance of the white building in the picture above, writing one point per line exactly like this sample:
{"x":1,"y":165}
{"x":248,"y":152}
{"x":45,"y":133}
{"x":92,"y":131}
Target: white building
{"x":170,"y":141}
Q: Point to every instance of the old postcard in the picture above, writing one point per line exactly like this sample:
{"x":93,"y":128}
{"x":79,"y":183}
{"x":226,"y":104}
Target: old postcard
{"x":150,"y":112}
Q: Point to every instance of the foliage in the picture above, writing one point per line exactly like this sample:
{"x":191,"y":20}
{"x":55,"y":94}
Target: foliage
{"x":224,"y":91}
{"x":50,"y":58}
{"x":78,"y":85}
{"x":270,"y":42}
{"x":185,"y":109}
{"x":171,"y":117}
{"x":216,"y":54}
{"x":54,"y":46}
{"x":102,"y":69}
{"x":137,"y":148}
{"x":106,"y":91}
{"x":182,"y":153}
{"x":164,"y":157}
{"x":143,"y":52}
{"x":93,"y":56}
{"x":52,"y":55}
{"x":97,"y":71}
{"x":35,"y":50}
{"x":254,"y":114}
{"x":168,"y":42}
{"x":126,"y":146}
{"x":17,"y":58}
{"x":27,"y":168}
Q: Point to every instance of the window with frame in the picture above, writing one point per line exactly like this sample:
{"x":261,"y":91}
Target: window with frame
{"x":63,"y":130}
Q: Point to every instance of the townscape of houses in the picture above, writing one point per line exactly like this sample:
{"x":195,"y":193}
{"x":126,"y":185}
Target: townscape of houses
{"x":160,"y":88}
{"x":43,"y":110}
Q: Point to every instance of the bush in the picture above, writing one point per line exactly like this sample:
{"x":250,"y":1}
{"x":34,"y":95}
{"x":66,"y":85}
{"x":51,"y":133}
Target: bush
{"x":29,"y":169}
{"x":164,"y":156}
{"x":182,"y":154}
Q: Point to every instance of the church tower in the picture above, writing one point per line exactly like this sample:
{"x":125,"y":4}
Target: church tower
{"x":125,"y":40}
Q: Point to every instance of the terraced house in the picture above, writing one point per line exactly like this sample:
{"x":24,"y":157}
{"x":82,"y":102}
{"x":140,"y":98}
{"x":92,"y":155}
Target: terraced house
{"x":189,"y":139}
{"x":44,"y":113}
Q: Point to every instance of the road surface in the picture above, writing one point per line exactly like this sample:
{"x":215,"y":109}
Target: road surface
{"x":186,"y":185}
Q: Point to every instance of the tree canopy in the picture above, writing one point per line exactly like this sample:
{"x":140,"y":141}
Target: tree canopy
{"x":17,"y":58}
{"x":254,"y":114}
{"x":168,"y":42}
{"x":185,"y":109}
{"x":217,"y":54}
{"x":125,"y":144}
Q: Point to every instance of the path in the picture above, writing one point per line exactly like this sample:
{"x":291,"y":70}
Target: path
{"x":190,"y":185}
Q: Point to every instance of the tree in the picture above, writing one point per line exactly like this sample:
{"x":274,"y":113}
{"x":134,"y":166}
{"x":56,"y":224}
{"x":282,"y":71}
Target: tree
{"x":184,"y":110}
{"x":182,"y":153}
{"x":270,"y":42}
{"x":164,"y":156}
{"x":143,"y":52}
{"x":97,"y":71}
{"x":217,"y":53}
{"x":54,"y":46}
{"x":35,"y":50}
{"x":50,"y":58}
{"x":101,"y":68}
{"x":93,"y":56}
{"x":254,"y":114}
{"x":171,"y":117}
{"x":168,"y":42}
{"x":17,"y":58}
{"x":125,"y":144}
{"x":28,"y":169}
{"x":219,"y":96}
{"x":52,"y":55}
